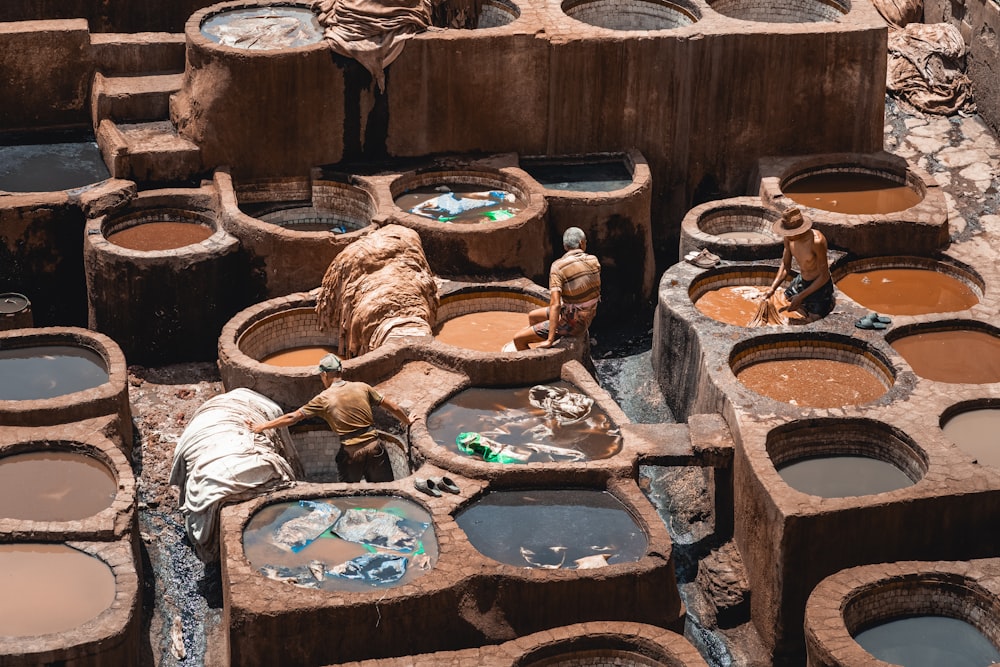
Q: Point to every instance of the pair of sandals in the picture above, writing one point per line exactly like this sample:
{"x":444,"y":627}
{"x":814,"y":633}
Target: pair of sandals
{"x":873,"y":321}
{"x":433,"y":486}
{"x":703,"y":259}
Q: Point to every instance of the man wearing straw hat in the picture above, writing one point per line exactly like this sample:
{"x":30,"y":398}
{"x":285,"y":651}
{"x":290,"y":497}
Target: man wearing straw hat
{"x":810,"y":294}
{"x":347,"y":408}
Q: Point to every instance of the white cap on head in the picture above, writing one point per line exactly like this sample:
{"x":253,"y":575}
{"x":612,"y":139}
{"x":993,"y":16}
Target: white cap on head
{"x":330,"y":364}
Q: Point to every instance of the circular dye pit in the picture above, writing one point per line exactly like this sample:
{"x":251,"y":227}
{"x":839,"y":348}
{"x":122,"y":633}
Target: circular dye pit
{"x":812,"y":382}
{"x":908,"y":291}
{"x":545,"y":423}
{"x":47,"y":371}
{"x":293,"y":357}
{"x":484,"y":331}
{"x":809,"y":11}
{"x":928,"y":641}
{"x":957,"y":356}
{"x":851,"y":192}
{"x":349,"y":543}
{"x":54,"y":486}
{"x":843,"y":476}
{"x":975,"y":433}
{"x":311,"y":219}
{"x":461,"y":203}
{"x":163,"y":235}
{"x":264,"y":28}
{"x":48,"y":167}
{"x":581,"y":176}
{"x":551,"y":529}
{"x":732,"y":304}
{"x":48,"y":588}
{"x":289,"y":338}
{"x":632,"y":14}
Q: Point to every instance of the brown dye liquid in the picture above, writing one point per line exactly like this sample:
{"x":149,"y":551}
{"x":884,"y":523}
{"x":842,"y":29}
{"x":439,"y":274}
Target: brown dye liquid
{"x":298,"y":356}
{"x":733,"y":304}
{"x":422,"y":201}
{"x":47,"y":588}
{"x":852,"y":193}
{"x":753,"y":237}
{"x":843,"y":476}
{"x":958,"y":357}
{"x":485,"y":331}
{"x":160,"y":236}
{"x":263,"y":551}
{"x":908,"y":291}
{"x":54,"y":486}
{"x":975,"y":433}
{"x":812,"y":383}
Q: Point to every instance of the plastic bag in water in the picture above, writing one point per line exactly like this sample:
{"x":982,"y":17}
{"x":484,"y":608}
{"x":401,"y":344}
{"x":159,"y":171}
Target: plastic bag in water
{"x":296,"y":534}
{"x":491,"y":450}
{"x":379,"y":529}
{"x":372,"y":569}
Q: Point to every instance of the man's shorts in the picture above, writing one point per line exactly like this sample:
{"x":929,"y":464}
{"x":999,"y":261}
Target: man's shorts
{"x":573,"y":320}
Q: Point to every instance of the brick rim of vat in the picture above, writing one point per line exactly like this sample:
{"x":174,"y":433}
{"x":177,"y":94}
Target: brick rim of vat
{"x":772,"y":347}
{"x":930,"y":210}
{"x":96,"y":526}
{"x":633,"y":161}
{"x":967,"y":405}
{"x":935,"y":326}
{"x":663,"y":646}
{"x":103,"y":346}
{"x":98,"y":230}
{"x":260,"y":313}
{"x":744,"y":207}
{"x":943,"y":264}
{"x":194,"y":35}
{"x":836,"y":608}
{"x":120,"y":559}
{"x":356,"y":194}
{"x":498,"y":178}
{"x":684,"y":8}
{"x":803,"y":439}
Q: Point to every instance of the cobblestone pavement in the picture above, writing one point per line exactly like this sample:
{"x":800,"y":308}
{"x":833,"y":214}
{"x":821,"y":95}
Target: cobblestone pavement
{"x":182,"y":597}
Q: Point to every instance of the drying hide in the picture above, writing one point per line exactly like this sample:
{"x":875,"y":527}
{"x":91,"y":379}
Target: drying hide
{"x":926,"y":69}
{"x":379,"y":288}
{"x":373,"y":32}
{"x":218,"y":460}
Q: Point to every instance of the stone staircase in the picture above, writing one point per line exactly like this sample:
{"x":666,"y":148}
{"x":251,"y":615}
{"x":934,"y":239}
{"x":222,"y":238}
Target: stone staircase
{"x":130,"y":107}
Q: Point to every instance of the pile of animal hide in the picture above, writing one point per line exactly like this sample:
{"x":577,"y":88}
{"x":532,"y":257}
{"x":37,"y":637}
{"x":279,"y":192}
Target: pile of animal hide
{"x":372,"y":32}
{"x":218,"y":460}
{"x":926,"y":66}
{"x":379,"y":288}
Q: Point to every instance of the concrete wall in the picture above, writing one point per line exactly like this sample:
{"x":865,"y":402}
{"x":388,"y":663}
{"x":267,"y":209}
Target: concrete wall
{"x":979,"y":22}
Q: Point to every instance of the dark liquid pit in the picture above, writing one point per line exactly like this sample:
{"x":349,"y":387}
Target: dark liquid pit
{"x":461,"y":203}
{"x":54,"y":486}
{"x":47,"y":371}
{"x":553,"y":529}
{"x":928,"y":641}
{"x":506,"y":416}
{"x":852,"y":193}
{"x":975,"y":433}
{"x":958,"y":357}
{"x":812,"y":383}
{"x":274,"y":549}
{"x":585,"y":177}
{"x":908,"y":291}
{"x":842,"y":476}
{"x":51,"y":167}
{"x":152,"y":236}
{"x":49,"y":588}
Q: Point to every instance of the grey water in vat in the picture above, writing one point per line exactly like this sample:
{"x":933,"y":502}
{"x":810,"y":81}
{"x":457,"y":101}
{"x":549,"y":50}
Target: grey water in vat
{"x":839,"y":476}
{"x":928,"y":641}
{"x":506,"y":416}
{"x":581,"y":177}
{"x":553,"y":528}
{"x":50,"y":167}
{"x":47,"y":371}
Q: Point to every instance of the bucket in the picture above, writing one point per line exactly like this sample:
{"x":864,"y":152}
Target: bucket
{"x":15,"y":312}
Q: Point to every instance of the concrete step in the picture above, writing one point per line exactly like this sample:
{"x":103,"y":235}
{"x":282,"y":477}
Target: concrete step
{"x":150,"y":152}
{"x":132,"y":98}
{"x":135,"y":53}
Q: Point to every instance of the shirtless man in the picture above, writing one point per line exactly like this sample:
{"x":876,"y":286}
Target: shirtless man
{"x":810,"y":294}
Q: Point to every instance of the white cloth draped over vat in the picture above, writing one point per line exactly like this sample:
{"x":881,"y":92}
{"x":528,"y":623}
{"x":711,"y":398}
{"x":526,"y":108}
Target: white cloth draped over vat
{"x":218,"y":459}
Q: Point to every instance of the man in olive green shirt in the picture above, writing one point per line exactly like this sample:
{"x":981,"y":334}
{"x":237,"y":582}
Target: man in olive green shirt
{"x":347,"y":408}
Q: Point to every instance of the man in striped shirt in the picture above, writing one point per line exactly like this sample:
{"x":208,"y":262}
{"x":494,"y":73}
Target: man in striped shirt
{"x":575,"y":289}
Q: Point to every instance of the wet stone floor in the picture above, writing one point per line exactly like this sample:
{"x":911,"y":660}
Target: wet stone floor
{"x":182,"y":598}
